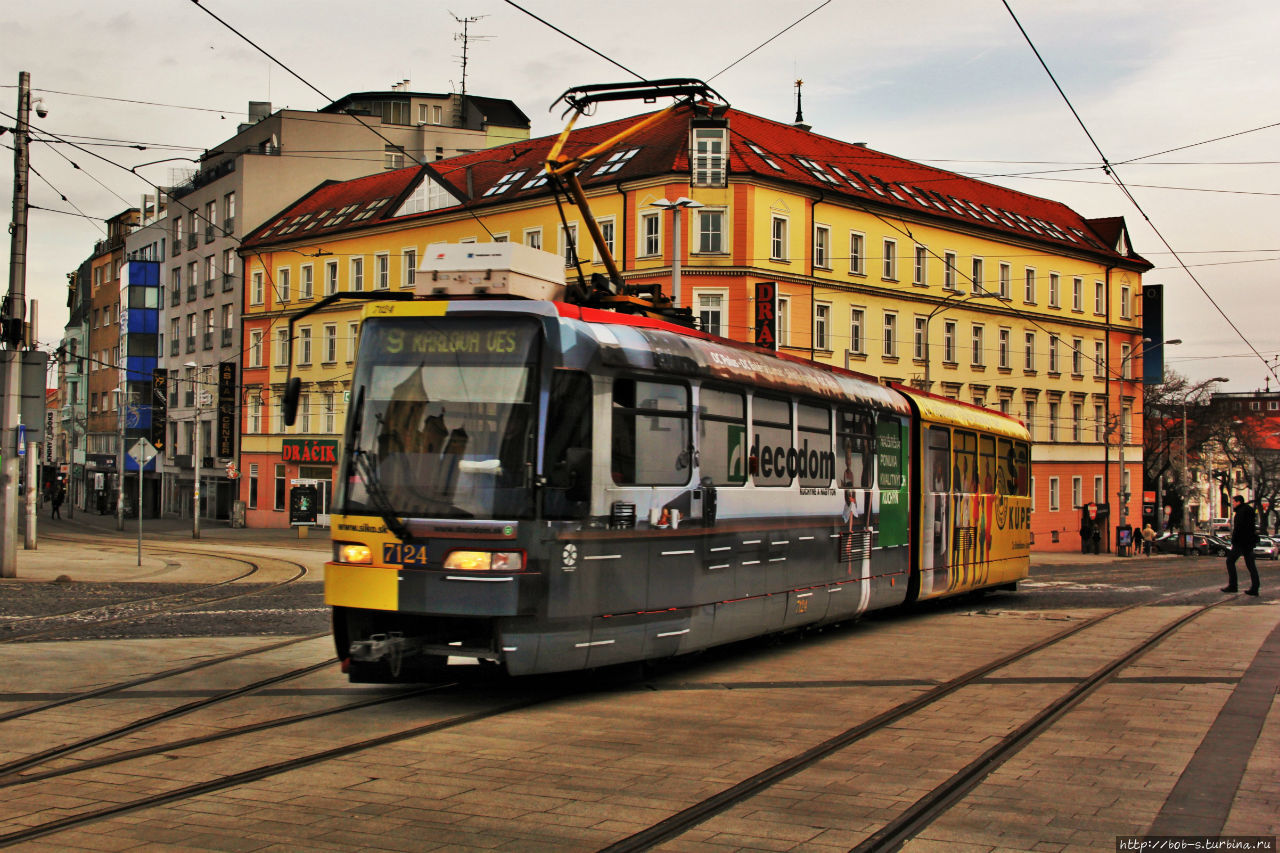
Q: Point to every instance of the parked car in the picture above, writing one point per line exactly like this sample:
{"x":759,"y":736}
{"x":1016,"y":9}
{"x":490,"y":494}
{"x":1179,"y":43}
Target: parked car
{"x":1218,"y":546}
{"x":1268,"y":547}
{"x":1170,"y":543}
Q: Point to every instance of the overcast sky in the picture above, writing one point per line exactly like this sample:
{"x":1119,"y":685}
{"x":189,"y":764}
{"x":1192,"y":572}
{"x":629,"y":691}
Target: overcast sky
{"x":948,"y":82}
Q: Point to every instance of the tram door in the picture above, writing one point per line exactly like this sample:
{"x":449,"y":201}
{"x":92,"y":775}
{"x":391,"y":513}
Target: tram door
{"x":936,"y":522}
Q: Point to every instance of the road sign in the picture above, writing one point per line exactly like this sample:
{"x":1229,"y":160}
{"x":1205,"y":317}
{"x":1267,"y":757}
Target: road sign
{"x":142,"y":452}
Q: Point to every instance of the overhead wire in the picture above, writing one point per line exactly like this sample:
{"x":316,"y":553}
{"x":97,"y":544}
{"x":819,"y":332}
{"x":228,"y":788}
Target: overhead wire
{"x":1110,"y":171}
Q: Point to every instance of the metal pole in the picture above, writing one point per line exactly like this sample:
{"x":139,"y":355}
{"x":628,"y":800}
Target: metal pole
{"x":141,"y":465}
{"x":33,"y":458}
{"x":675,"y":258}
{"x":10,"y":412}
{"x":120,"y":461}
{"x":1186,"y":480}
{"x":197,"y":457}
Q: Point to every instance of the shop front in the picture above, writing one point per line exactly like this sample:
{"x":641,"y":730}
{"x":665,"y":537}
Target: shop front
{"x":268,"y":476}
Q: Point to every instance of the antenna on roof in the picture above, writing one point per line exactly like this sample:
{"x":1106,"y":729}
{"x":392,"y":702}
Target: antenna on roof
{"x":799,"y":122}
{"x":465,"y":37}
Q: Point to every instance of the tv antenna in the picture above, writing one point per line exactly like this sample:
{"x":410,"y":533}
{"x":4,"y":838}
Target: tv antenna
{"x":465,"y":37}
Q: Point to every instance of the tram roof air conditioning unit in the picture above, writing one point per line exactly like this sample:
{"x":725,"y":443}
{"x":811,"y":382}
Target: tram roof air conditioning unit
{"x":490,"y":269}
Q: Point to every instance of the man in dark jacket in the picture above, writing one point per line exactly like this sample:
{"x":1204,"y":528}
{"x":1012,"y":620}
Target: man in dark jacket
{"x":1244,"y":535}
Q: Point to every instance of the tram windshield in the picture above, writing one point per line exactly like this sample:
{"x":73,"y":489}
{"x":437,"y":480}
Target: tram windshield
{"x":440,"y":423}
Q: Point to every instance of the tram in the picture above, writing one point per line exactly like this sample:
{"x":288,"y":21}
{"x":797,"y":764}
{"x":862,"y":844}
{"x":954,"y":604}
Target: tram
{"x":549,"y":487}
{"x":548,"y":476}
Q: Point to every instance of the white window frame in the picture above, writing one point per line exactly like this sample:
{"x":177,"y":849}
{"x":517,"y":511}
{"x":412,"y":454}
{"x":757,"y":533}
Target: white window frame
{"x":609,"y":231}
{"x":255,"y":347}
{"x":822,"y":326}
{"x":257,"y":293}
{"x":950,"y":331}
{"x":1029,"y":285}
{"x":532,"y":237}
{"x":978,"y":343}
{"x":1055,"y":290}
{"x":949,"y":260}
{"x":1029,"y":352}
{"x":890,"y":327}
{"x":283,"y":284}
{"x":382,"y":271}
{"x":649,"y":235}
{"x":977,"y":276}
{"x":822,"y":246}
{"x":565,"y":232}
{"x":920,"y":341}
{"x":857,"y":330}
{"x":357,"y":273}
{"x":329,"y":343}
{"x":721,"y":310}
{"x":1126,"y":309}
{"x":920,"y":269}
{"x":1005,"y":349}
{"x":784,"y":321}
{"x":330,"y":278}
{"x":1077,"y":294}
{"x":409,"y":257}
{"x":779,"y":238}
{"x":1006,"y":281}
{"x":307,"y":285}
{"x":890,"y":260}
{"x":857,"y":253}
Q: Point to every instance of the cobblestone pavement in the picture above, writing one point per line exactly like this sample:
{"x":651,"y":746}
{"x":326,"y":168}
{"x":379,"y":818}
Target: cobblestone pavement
{"x":1186,"y":738}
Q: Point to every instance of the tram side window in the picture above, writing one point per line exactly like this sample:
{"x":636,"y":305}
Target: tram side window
{"x":855,"y":447}
{"x":651,"y":433}
{"x":722,"y":436}
{"x":965,"y":479}
{"x":1022,"y":468}
{"x":939,"y":459}
{"x":987,"y":464}
{"x":815,"y":463}
{"x":568,"y":451}
{"x":770,"y":441}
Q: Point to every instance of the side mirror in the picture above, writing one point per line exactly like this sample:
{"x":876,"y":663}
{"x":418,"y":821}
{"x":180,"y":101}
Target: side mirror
{"x":292,"y":393}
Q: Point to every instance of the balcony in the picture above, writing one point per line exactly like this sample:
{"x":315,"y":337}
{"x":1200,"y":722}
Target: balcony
{"x":192,"y":241}
{"x":175,"y":347}
{"x":191,"y":293}
{"x":175,"y":296}
{"x":191,"y":343}
{"x":177,"y":246}
{"x":208,"y":340}
{"x":229,"y":226}
{"x":210,"y":231}
{"x":228,"y":282}
{"x":227,"y":337}
{"x":208,"y":287}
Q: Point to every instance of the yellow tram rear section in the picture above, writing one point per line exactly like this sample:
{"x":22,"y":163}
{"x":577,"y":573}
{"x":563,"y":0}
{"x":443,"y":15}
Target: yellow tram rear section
{"x":973,"y":516}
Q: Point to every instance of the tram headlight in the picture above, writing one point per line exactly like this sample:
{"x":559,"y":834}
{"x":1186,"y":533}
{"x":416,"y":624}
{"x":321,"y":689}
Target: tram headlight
{"x":352,"y":552}
{"x":484,"y":561}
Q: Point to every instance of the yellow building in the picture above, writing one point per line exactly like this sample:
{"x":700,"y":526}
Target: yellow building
{"x":894,"y":269}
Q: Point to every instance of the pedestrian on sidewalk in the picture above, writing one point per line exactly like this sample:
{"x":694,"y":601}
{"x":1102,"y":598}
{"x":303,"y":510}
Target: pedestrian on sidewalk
{"x":1244,"y":535}
{"x":58,"y":497}
{"x":1148,"y":536}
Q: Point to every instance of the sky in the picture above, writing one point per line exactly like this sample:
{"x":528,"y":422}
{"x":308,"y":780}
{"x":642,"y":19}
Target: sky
{"x":953,"y":83}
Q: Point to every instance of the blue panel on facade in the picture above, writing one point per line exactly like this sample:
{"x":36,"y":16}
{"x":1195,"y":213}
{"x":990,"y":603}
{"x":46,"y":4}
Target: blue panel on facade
{"x":144,"y":273}
{"x":144,"y":321}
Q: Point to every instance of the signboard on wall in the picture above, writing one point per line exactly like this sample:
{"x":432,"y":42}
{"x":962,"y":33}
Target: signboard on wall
{"x":766,"y":314}
{"x":306,"y":451}
{"x":1153,"y":330}
{"x":226,"y":409}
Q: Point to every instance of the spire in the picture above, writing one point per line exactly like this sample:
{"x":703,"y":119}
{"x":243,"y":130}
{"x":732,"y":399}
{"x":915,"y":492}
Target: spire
{"x":799,"y":122}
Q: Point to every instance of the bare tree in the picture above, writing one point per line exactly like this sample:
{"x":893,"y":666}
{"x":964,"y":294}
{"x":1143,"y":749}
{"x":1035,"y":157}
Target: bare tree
{"x":1179,"y":421}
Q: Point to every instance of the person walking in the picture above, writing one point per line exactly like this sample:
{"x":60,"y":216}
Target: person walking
{"x":1148,"y":536}
{"x":58,"y":497}
{"x":1244,"y":535}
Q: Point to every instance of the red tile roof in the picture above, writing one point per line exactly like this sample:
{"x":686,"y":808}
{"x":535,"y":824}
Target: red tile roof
{"x":763,"y":148}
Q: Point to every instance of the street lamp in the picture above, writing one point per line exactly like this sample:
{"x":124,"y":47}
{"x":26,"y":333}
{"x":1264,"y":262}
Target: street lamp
{"x":675,"y":207}
{"x":197,"y":449}
{"x":121,"y":403}
{"x":954,"y":299}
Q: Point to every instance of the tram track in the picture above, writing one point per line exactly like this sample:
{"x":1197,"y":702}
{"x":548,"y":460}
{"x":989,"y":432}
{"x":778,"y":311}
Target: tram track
{"x":921,"y":813}
{"x":673,"y":827}
{"x":108,"y":614}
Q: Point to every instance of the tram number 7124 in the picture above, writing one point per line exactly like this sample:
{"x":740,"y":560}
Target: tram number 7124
{"x":404,"y":553}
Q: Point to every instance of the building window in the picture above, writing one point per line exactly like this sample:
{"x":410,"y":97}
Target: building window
{"x":1099,"y":424}
{"x":330,"y":278}
{"x":821,"y":314}
{"x":608,"y":231}
{"x":1053,"y":494}
{"x":1030,"y":294}
{"x":891,"y":260}
{"x":857,"y":253}
{"x":1054,"y":295}
{"x":1099,"y":360}
{"x":1126,"y":361}
{"x":282,"y":285}
{"x":650,"y":235}
{"x":255,"y":348}
{"x":1098,"y":496}
{"x":304,"y":346}
{"x":281,"y":489}
{"x":1099,"y":298}
{"x":857,"y":340}
{"x":327,"y":412}
{"x":710,"y":310}
{"x":979,"y":285}
{"x":1006,"y":281}
{"x":257,"y":292}
{"x":920,"y":273}
{"x":1126,"y":417}
{"x":949,"y":270}
{"x":890,"y":335}
{"x":709,"y":155}
{"x":1077,"y":492}
{"x":533,"y":237}
{"x":778,"y":239}
{"x":382,"y":272}
{"x":1030,"y":407}
{"x":1005,"y":345}
{"x":1077,"y":294}
{"x":1077,"y":414}
{"x":307,"y":287}
{"x":822,"y":247}
{"x":784,"y":321}
{"x":1077,"y":357}
{"x":282,"y":348}
{"x":253,"y":485}
{"x":569,"y":244}
{"x":1053,"y":421}
{"x":949,"y":342}
{"x":357,"y":273}
{"x":1030,"y":362}
{"x":330,"y":344}
{"x":979,"y":347}
{"x":921,"y":338}
{"x":255,"y":411}
{"x":1053,"y":354}
{"x":1126,"y":310}
{"x":410,"y":267}
{"x":353,"y":334}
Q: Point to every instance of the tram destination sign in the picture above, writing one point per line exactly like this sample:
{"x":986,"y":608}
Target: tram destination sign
{"x":483,"y":341}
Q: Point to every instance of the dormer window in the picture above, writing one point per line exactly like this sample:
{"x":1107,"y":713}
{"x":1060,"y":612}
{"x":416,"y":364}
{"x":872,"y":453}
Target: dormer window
{"x":616,"y":161}
{"x":709,"y":155}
